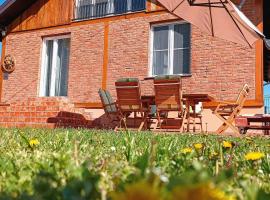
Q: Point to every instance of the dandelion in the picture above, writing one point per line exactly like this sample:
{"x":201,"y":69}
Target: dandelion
{"x":213,"y":155}
{"x":227,"y":144}
{"x":254,"y":156}
{"x":198,"y":145}
{"x":186,"y":150}
{"x":140,"y":190}
{"x":33,"y":142}
{"x":201,"y":191}
{"x":249,"y":138}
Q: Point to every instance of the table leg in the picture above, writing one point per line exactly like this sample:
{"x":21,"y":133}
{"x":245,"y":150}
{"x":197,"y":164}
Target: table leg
{"x":194,"y":115}
{"x":188,"y":116}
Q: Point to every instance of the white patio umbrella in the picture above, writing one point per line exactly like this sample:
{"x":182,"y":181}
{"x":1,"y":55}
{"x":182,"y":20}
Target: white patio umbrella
{"x":220,"y":18}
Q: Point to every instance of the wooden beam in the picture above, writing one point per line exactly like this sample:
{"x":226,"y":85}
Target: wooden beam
{"x":95,"y":21}
{"x":259,"y":54}
{"x":249,"y":103}
{"x":105,"y":56}
{"x":1,"y":72}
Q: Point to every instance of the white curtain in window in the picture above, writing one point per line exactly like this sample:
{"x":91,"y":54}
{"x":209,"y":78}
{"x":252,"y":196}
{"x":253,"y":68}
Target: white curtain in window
{"x":171,"y":49}
{"x":161,"y":50}
{"x":62,"y":68}
{"x":54,"y":74}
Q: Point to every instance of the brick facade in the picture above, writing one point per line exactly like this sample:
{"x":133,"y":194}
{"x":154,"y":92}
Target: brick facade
{"x":218,"y":67}
{"x":44,"y":112}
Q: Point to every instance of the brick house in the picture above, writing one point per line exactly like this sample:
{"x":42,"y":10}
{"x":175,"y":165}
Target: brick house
{"x":72,"y":48}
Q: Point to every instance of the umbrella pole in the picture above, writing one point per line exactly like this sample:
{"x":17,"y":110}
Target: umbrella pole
{"x":211,"y":17}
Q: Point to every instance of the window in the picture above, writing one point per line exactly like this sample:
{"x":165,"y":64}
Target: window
{"x":54,"y":69}
{"x":86,"y":9}
{"x":170,"y":49}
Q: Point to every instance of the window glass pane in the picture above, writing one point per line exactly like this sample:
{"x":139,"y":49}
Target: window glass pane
{"x":62,"y":67}
{"x":85,"y":9}
{"x":101,"y":8}
{"x":138,"y":5}
{"x":182,"y":36}
{"x":160,"y":62}
{"x":160,"y":50}
{"x":161,"y":38}
{"x":48,"y":67}
{"x":55,"y":68}
{"x":181,"y":61}
{"x":120,"y":6}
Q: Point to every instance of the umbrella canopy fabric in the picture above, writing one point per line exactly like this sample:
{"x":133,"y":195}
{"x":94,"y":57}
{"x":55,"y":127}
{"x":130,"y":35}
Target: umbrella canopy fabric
{"x":220,"y":18}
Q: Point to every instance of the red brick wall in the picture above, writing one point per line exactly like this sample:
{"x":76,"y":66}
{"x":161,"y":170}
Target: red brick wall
{"x":218,"y":67}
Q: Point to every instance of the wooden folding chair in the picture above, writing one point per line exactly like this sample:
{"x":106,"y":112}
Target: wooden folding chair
{"x":168,"y":97}
{"x":129,"y":100}
{"x":110,"y":108}
{"x":227,"y":112}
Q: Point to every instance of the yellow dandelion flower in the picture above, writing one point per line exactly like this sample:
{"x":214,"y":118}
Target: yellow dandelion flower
{"x":213,"y":155}
{"x":248,"y":138}
{"x":227,"y":144}
{"x":186,"y":150}
{"x":198,"y":146}
{"x":140,"y":190}
{"x":254,"y":156}
{"x":33,"y":142}
{"x":202,"y":191}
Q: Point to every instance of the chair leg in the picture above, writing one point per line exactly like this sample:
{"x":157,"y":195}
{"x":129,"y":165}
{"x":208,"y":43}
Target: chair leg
{"x":123,"y":119}
{"x":183,"y":120}
{"x":143,"y":123}
{"x":201,"y":124}
{"x":227,"y":123}
{"x":158,"y":119}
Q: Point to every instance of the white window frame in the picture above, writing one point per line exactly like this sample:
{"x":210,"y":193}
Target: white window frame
{"x":43,"y":71}
{"x":170,"y":47}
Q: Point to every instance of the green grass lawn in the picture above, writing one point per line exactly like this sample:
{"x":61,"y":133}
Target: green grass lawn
{"x":88,"y":164}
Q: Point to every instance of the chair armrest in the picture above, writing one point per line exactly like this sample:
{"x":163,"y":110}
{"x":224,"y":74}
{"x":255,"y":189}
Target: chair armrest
{"x":226,"y":103}
{"x":225,"y":107}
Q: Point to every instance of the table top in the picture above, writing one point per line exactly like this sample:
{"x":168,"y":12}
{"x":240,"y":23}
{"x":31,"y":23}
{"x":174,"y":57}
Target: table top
{"x":191,"y":97}
{"x":256,"y":117}
{"x":198,"y":97}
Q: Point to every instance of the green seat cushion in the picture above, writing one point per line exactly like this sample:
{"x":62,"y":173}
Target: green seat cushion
{"x":128,"y":80}
{"x":111,"y":101}
{"x":108,"y":108}
{"x":167,"y":77}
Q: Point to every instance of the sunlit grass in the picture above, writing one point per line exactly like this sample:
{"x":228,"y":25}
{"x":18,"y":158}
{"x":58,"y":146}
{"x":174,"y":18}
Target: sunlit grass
{"x":92,"y":164}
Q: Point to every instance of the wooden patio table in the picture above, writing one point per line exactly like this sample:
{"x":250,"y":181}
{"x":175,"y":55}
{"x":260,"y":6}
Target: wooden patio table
{"x":191,"y":101}
{"x":244,"y":123}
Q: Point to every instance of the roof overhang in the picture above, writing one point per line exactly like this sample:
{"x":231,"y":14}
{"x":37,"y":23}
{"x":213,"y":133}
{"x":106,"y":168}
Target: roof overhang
{"x":11,"y":9}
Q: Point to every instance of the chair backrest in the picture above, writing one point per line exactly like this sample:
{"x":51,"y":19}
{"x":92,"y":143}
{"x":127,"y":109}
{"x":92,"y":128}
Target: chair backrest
{"x":107,"y":101}
{"x":242,"y":95}
{"x":168,"y":93}
{"x":128,"y":94}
